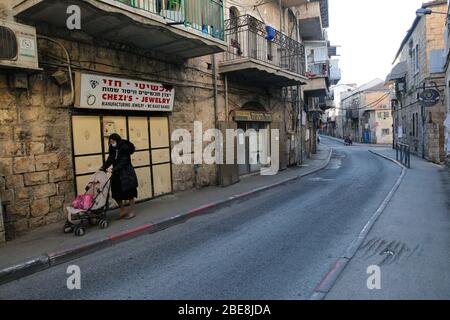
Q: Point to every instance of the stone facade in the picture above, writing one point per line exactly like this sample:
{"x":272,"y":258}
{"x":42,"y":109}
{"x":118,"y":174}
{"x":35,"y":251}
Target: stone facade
{"x":447,"y":82}
{"x":422,"y":128}
{"x":36,"y":160}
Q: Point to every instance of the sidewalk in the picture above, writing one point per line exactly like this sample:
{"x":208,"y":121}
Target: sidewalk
{"x":370,"y":145}
{"x":48,"y":245}
{"x":409,"y":242}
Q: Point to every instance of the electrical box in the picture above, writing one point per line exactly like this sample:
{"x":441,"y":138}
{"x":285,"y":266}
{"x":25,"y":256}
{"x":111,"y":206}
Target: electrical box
{"x":19,"y":46}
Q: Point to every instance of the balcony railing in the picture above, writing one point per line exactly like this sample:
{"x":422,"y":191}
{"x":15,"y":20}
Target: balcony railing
{"x":202,"y":15}
{"x":248,"y":37}
{"x":318,"y":69}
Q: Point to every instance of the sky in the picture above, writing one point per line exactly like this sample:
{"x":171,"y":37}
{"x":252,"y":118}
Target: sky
{"x":369,"y":33}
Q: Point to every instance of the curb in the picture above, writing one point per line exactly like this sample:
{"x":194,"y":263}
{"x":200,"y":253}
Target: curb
{"x":331,"y":277}
{"x":51,"y":259}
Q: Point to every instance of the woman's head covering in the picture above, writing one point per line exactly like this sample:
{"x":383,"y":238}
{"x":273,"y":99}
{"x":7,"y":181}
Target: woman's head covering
{"x":115,"y":137}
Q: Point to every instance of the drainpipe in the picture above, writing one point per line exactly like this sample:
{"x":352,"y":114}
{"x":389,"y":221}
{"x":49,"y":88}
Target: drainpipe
{"x":281,"y":15}
{"x":226,"y":98}
{"x":216,"y":91}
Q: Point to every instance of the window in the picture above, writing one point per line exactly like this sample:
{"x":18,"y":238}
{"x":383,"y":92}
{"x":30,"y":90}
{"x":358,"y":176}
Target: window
{"x":414,"y":54}
{"x":383,"y":115}
{"x":416,"y":62}
{"x":417,"y":124}
{"x":385,"y":132}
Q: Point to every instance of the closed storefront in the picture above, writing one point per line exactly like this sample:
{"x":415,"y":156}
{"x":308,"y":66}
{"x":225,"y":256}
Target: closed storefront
{"x":136,"y":111}
{"x":149,"y":134}
{"x":255,"y":143}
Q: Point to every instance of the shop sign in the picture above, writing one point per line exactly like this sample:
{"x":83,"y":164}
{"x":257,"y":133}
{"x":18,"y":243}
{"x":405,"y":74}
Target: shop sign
{"x":429,"y":97}
{"x":104,"y":92}
{"x":252,"y":116}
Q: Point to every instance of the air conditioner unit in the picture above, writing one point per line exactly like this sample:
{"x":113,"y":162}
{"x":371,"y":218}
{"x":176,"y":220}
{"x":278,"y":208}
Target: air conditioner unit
{"x":18,"y":46}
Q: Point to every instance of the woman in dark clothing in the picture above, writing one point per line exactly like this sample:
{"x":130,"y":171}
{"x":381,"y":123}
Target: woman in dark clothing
{"x":124,"y":181}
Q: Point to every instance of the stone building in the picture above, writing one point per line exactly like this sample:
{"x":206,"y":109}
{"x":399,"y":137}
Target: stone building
{"x":418,"y":85}
{"x":143,"y":69}
{"x":376,"y":118}
{"x":367,"y":113}
{"x":335,"y":115}
{"x":447,"y":95}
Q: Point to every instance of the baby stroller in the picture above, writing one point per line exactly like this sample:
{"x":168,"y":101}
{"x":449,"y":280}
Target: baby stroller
{"x":90,"y":208}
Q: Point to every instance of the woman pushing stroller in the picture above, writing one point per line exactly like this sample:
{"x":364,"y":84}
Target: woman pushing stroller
{"x":124,"y":181}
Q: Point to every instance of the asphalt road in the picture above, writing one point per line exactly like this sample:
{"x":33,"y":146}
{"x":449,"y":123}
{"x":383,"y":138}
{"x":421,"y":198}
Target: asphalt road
{"x":275,"y":245}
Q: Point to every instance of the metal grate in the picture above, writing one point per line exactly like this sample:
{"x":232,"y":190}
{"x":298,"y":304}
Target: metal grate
{"x":205,"y":16}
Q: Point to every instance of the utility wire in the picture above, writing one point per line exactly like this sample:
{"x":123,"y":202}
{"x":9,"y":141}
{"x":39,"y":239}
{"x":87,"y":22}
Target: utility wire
{"x":366,"y":106}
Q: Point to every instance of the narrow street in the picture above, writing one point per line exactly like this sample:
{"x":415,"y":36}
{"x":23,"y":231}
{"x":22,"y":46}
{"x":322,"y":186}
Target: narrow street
{"x":276,"y":245}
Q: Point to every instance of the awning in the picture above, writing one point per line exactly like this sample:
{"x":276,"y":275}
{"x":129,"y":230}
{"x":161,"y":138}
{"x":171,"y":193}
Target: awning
{"x":398,"y":72}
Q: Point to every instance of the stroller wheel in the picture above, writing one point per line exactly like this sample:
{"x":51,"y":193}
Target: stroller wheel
{"x":68,"y":227}
{"x":103,"y":224}
{"x":79,"y":231}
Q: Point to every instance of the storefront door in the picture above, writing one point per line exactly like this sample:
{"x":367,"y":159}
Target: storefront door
{"x":253,"y":146}
{"x":150,"y":135}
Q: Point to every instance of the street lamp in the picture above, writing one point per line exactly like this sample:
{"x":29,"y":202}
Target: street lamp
{"x":424,"y":11}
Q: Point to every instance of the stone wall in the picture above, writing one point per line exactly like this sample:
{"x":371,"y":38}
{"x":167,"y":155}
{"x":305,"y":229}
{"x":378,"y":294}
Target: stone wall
{"x":34,"y":153}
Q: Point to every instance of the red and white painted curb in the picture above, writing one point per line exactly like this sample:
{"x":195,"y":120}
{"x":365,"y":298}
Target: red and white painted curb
{"x":48,"y":260}
{"x":330,"y":278}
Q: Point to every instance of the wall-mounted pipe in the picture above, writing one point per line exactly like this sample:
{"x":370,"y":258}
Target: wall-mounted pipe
{"x":69,"y":65}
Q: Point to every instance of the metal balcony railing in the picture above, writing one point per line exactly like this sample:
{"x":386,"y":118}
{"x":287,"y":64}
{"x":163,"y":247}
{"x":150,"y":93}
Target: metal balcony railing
{"x":202,"y":15}
{"x":247,"y":37}
{"x":318,"y":69}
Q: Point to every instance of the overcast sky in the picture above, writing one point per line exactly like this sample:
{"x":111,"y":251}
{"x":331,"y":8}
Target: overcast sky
{"x":370,"y":33}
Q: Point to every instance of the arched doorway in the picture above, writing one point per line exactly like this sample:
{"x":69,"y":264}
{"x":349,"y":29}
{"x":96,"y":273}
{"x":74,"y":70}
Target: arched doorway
{"x":251,"y":119}
{"x":234,"y":40}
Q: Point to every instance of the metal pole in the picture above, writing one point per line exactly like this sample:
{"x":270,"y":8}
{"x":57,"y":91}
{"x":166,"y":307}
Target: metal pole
{"x":300,"y":107}
{"x":2,"y":222}
{"x":423,"y":131}
{"x":396,"y":151}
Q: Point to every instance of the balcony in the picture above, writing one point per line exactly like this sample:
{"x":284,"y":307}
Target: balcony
{"x":352,"y":114}
{"x":310,"y":21}
{"x":260,"y":56}
{"x":319,"y":83}
{"x":170,"y":30}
